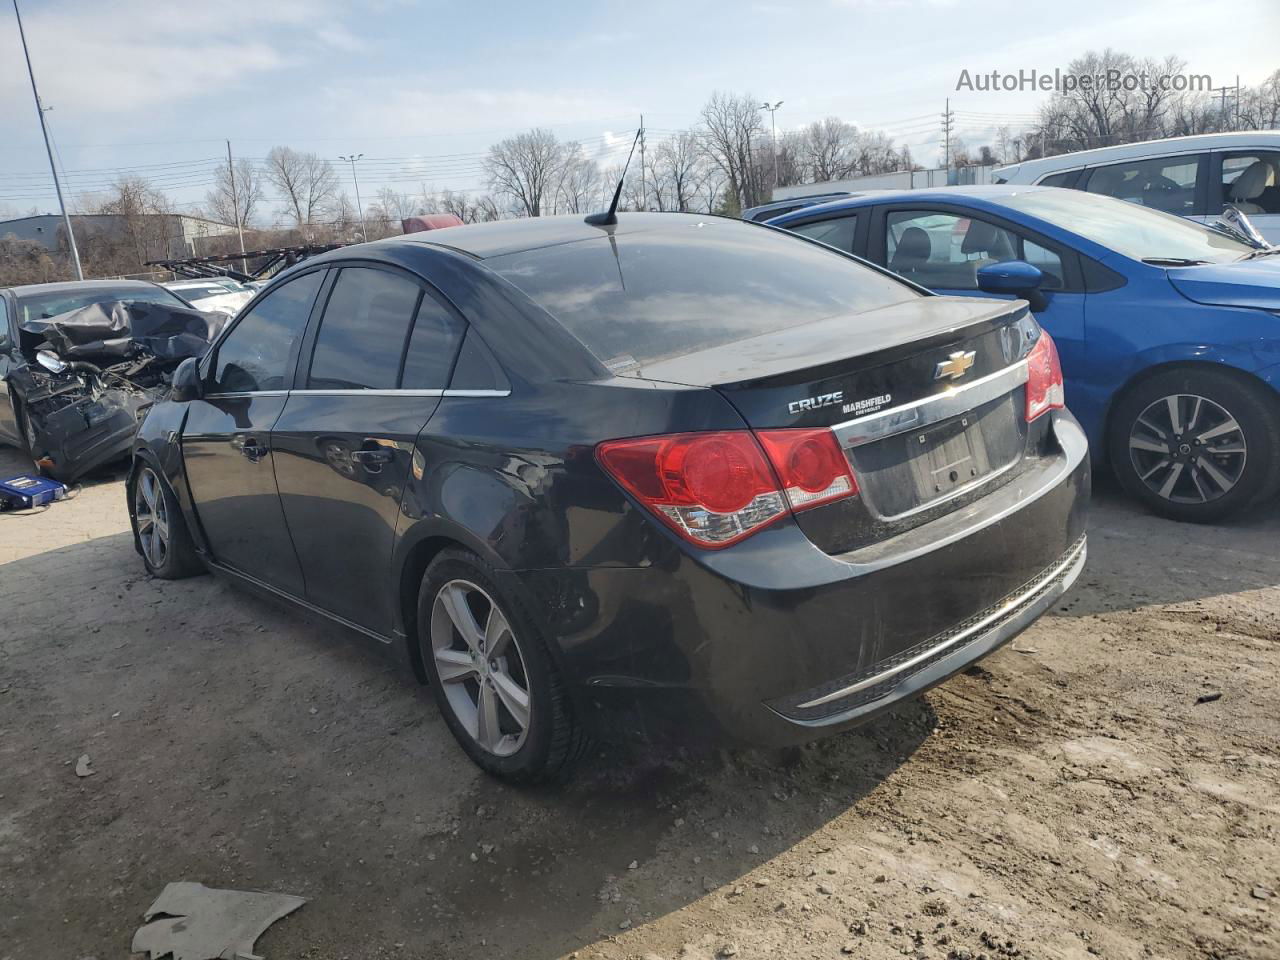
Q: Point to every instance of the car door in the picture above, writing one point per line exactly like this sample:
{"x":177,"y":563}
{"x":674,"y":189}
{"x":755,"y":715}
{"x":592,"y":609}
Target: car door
{"x":942,"y":248}
{"x":1250,"y":181}
{"x":226,"y":439}
{"x":9,"y":358}
{"x":375,"y":365}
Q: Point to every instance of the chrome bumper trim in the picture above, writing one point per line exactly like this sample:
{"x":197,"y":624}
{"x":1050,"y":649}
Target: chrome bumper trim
{"x":1036,"y":588}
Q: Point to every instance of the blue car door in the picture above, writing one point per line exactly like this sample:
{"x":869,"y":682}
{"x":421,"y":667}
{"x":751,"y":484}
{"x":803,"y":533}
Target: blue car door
{"x":942,"y":248}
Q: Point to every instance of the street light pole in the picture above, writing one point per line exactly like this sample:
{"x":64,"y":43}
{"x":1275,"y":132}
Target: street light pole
{"x":773,"y":123}
{"x":364,"y":230}
{"x":57,"y":186}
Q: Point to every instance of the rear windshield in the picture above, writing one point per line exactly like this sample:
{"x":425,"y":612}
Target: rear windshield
{"x":658,"y":294}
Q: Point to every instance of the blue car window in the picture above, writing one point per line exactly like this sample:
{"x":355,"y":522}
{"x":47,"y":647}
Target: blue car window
{"x":945,"y":250}
{"x":836,"y":232}
{"x":1050,"y":264}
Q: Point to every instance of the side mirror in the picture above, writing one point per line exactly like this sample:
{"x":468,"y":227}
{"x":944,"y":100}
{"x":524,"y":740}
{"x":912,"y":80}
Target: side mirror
{"x":1016,"y":277}
{"x":187,"y":384}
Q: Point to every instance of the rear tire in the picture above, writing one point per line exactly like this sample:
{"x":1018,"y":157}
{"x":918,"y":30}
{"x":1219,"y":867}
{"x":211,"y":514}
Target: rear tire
{"x":159,"y":528}
{"x":501,"y":695}
{"x":1196,"y":444}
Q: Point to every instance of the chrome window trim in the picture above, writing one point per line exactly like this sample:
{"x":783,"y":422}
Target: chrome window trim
{"x":1042,"y":585}
{"x":359,"y":393}
{"x":234,"y":394}
{"x":927,"y":410}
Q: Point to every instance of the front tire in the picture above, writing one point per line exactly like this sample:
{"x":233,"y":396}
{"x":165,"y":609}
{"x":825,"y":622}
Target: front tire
{"x":491,"y":674}
{"x":159,"y":527}
{"x":1196,"y":445}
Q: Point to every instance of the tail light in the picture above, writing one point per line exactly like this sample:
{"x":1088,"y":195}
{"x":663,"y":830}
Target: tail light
{"x":1044,"y":378}
{"x":715,"y":489}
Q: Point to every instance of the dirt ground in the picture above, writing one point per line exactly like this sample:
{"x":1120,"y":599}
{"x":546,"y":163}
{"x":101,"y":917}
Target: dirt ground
{"x":1069,"y":799}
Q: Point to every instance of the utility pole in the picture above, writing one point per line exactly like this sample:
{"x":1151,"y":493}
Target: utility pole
{"x":235,"y":203}
{"x":57,"y":186}
{"x":773,"y":126}
{"x":644,"y":183}
{"x":364,"y":230}
{"x":1222,"y":115}
{"x":948,"y":121}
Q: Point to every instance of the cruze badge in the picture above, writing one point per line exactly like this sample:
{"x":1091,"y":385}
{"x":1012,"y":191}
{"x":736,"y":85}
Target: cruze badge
{"x":955,"y":366}
{"x":816,"y":403}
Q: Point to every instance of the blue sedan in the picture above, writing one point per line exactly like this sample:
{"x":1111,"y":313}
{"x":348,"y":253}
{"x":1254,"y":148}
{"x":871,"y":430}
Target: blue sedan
{"x":1168,"y":331}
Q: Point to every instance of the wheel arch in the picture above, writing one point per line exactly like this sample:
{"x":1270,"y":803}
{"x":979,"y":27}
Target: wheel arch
{"x":1245,"y":377}
{"x":413,"y":568}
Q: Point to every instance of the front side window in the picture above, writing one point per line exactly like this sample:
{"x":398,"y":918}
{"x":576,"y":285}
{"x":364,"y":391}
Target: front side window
{"x":255,"y":355}
{"x":946,"y":250}
{"x":362,"y":335}
{"x":836,"y":232}
{"x":1251,"y":181}
{"x":1164,"y":183}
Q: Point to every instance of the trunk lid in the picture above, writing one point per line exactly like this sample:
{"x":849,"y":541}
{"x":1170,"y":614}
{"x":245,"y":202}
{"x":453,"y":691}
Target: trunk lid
{"x":926,"y":399}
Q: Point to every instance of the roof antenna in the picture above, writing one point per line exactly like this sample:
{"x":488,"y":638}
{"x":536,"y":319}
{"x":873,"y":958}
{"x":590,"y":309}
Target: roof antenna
{"x":610,"y":216}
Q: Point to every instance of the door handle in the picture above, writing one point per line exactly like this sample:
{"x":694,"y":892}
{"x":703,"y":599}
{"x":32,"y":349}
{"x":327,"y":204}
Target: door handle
{"x":366,"y":457}
{"x":252,"y":451}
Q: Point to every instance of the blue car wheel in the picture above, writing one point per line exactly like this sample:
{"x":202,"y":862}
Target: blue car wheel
{"x":1196,"y":445}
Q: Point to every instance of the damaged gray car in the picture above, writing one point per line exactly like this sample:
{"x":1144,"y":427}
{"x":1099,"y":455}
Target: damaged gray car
{"x":80,"y":363}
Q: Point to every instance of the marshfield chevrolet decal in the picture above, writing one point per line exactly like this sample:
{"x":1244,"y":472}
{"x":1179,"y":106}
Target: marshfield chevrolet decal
{"x":869,"y":405}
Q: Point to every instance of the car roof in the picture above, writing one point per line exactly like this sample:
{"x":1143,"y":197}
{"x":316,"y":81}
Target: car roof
{"x":79,"y":286}
{"x":990,"y":192}
{"x":501,"y":237}
{"x":803,"y":199}
{"x":1143,"y":148}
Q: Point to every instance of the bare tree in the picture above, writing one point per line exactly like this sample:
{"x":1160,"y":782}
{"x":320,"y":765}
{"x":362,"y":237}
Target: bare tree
{"x":731,"y":125}
{"x":679,"y":170}
{"x":144,"y":214}
{"x":578,"y":187}
{"x":1260,"y":105}
{"x":525,"y":169}
{"x":828,"y":149}
{"x":303,"y":180}
{"x":226,"y":200}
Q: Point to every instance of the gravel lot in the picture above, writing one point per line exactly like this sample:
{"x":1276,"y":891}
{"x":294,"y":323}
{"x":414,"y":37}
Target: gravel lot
{"x":1070,"y":798}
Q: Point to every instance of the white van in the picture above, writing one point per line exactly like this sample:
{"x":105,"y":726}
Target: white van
{"x":1193,"y":177}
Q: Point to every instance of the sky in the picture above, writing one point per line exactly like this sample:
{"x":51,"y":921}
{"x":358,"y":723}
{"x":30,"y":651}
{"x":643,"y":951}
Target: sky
{"x":423,"y":87}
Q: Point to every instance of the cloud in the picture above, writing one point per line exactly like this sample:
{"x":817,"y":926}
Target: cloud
{"x":95,"y":59}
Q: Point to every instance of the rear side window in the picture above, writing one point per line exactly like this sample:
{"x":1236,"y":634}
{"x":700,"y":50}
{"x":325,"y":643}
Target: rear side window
{"x":1164,"y":183}
{"x":434,"y":341}
{"x":362,"y":334}
{"x":1060,"y":179}
{"x":661,"y":293}
{"x":836,"y":232}
{"x":255,"y":354}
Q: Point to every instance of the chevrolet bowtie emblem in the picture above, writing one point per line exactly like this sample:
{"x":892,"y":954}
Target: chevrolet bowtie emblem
{"x":955,"y":365}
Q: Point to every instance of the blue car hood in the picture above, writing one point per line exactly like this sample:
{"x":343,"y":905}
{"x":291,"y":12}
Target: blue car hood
{"x":1251,"y":283}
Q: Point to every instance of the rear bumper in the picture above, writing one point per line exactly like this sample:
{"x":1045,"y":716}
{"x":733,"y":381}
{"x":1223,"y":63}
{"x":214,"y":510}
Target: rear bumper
{"x":774,"y":642}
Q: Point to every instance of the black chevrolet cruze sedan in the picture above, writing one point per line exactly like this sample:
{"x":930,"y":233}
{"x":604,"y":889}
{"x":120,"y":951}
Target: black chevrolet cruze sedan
{"x":673,"y":478}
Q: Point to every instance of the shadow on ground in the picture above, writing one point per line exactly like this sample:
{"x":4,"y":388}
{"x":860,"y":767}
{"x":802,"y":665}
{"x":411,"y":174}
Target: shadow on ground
{"x":242,"y":744}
